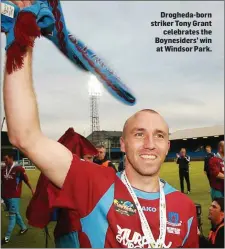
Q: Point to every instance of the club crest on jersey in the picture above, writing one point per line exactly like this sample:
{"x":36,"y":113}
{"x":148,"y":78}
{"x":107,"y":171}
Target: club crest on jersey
{"x":174,"y":219}
{"x":124,"y":207}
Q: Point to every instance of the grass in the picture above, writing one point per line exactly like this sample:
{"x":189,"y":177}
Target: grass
{"x":35,"y":238}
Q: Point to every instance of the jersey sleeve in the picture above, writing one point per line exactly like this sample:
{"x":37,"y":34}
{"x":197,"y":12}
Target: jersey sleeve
{"x":84,"y":185}
{"x":38,"y":212}
{"x":192,"y":240}
{"x":214,"y":170}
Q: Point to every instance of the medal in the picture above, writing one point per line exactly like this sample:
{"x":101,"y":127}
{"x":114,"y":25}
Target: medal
{"x":8,"y":172}
{"x":152,"y":243}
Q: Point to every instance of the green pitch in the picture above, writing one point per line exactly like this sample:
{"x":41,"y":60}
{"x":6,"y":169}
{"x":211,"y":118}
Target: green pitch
{"x":36,"y":238}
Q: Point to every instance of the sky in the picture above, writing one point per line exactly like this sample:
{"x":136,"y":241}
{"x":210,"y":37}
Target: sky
{"x":186,"y":88}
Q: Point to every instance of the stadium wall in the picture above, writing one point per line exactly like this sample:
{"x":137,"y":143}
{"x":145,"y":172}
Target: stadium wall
{"x":195,"y":147}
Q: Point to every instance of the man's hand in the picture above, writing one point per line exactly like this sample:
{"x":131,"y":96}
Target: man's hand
{"x":22,"y":4}
{"x":177,"y":155}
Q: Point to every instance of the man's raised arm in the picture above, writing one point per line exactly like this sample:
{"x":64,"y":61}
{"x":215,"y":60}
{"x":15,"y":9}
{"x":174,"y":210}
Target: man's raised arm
{"x":23,"y":124}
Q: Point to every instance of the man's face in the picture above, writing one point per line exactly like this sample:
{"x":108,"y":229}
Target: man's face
{"x":183,"y":152}
{"x":88,"y":158}
{"x":208,"y":149}
{"x":215,"y":213}
{"x":101,"y":153}
{"x":8,"y":161}
{"x":145,"y":142}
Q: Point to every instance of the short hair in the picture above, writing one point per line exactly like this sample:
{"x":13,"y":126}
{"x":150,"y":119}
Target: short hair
{"x":100,"y":146}
{"x":9,"y":154}
{"x":208,"y":146}
{"x":143,"y":110}
{"x":183,"y":149}
{"x":220,"y":202}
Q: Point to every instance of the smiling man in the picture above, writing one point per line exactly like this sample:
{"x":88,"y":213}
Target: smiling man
{"x":114,"y":210}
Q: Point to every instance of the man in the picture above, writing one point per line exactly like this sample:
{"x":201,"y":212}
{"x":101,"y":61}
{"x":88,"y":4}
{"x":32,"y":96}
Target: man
{"x":132,"y":209}
{"x":209,"y":154}
{"x":101,"y":158}
{"x":12,"y":176}
{"x":216,"y":172}
{"x":183,"y":160}
{"x":216,"y":235}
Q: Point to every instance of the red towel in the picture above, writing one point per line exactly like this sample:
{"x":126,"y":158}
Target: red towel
{"x":38,"y":211}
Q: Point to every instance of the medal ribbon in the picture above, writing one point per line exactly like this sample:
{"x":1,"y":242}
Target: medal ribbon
{"x":8,"y":172}
{"x":160,"y":242}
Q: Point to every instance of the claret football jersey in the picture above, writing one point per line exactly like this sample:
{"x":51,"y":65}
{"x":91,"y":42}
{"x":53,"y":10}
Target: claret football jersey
{"x":108,"y":216}
{"x":12,"y":181}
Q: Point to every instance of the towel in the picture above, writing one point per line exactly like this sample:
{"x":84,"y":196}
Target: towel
{"x":39,"y":212}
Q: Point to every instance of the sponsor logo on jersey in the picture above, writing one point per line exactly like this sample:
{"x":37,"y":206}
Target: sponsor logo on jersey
{"x":124,"y":207}
{"x":149,"y":209}
{"x":174,"y":219}
{"x":131,"y":239}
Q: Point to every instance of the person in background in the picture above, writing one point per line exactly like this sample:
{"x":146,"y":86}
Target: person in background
{"x":183,"y":161}
{"x":216,"y":172}
{"x":101,"y":158}
{"x":216,"y":235}
{"x":12,"y":176}
{"x":209,"y":154}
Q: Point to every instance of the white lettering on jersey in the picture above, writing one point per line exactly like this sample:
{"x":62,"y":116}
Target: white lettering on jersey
{"x":174,"y":224}
{"x":173,"y":230}
{"x":131,"y":239}
{"x":149,"y":209}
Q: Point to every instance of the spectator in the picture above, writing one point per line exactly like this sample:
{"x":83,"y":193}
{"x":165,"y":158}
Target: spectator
{"x":183,"y":160}
{"x":209,"y":155}
{"x":216,"y":172}
{"x":101,"y":158}
{"x":216,"y":234}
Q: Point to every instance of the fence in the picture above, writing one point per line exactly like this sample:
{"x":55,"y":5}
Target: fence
{"x":25,"y":162}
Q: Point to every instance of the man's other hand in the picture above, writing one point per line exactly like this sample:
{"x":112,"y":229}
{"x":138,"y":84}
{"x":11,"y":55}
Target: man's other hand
{"x":22,"y":4}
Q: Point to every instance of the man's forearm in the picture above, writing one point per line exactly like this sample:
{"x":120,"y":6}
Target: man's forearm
{"x":20,"y":104}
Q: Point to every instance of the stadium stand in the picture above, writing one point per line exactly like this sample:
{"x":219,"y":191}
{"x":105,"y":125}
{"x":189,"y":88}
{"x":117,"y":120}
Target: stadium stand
{"x":194,"y":140}
{"x":6,"y":147}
